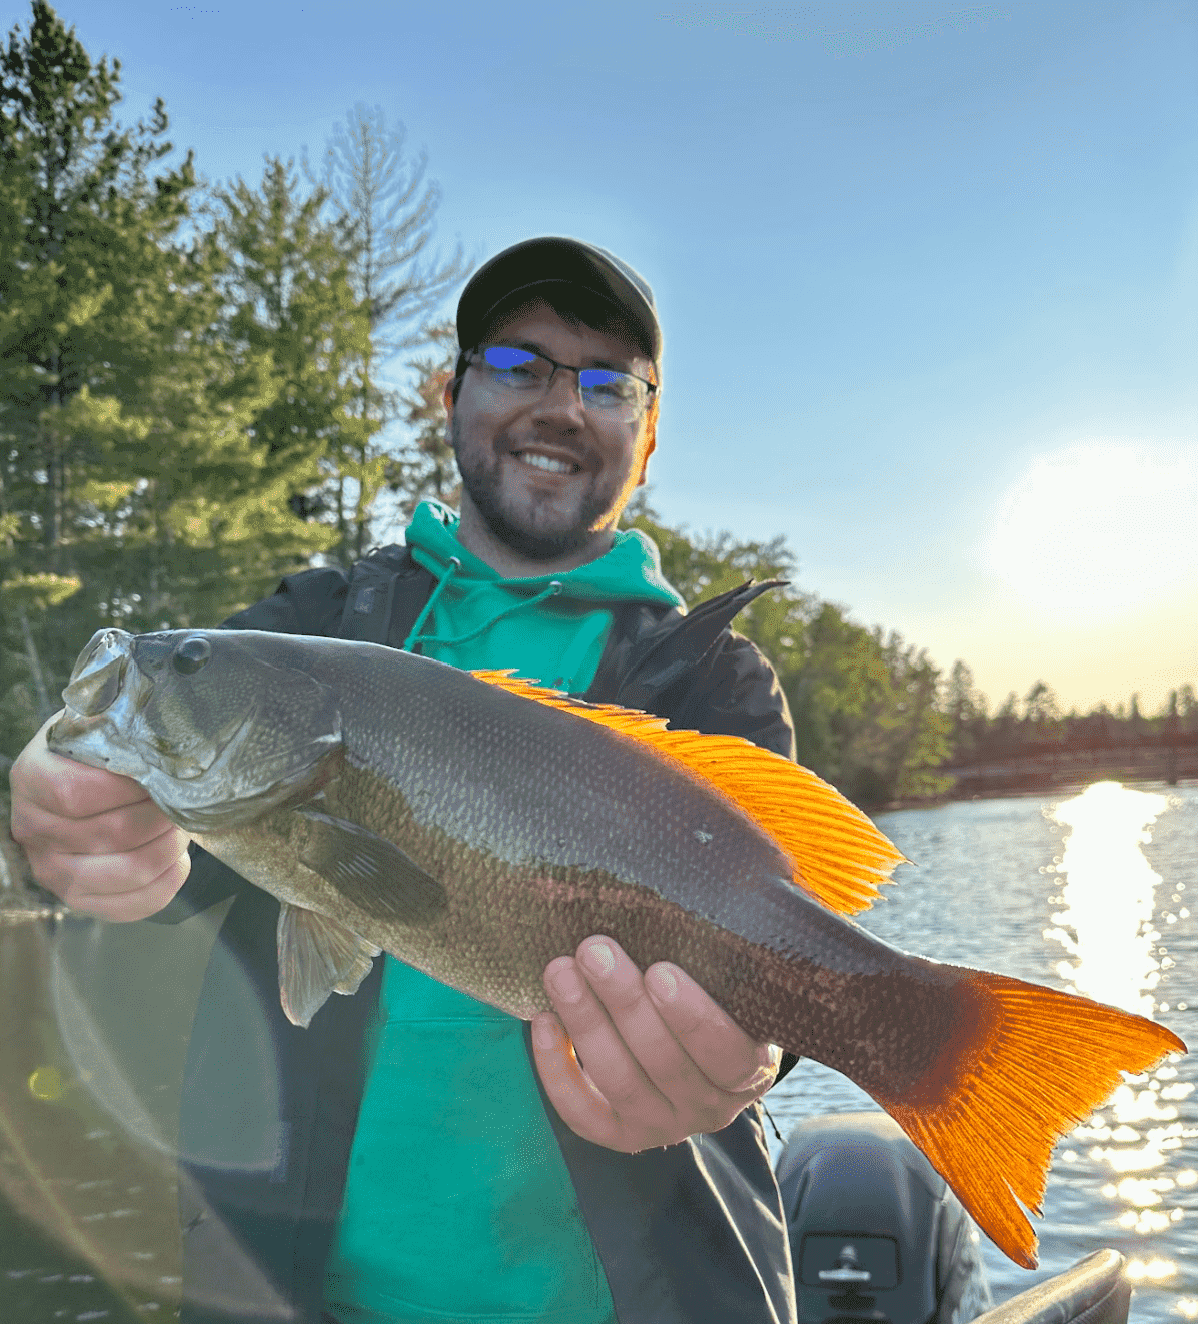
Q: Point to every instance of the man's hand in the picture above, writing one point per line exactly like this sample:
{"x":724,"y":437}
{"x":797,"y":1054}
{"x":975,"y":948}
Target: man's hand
{"x":659,"y":1060}
{"x":94,"y":839}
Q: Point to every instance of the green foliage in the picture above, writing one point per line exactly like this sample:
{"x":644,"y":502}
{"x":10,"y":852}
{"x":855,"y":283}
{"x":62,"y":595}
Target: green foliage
{"x":424,"y":465}
{"x":292,"y":314}
{"x":866,"y":707}
{"x":129,"y":459}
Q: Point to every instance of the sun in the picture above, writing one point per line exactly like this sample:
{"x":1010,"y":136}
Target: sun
{"x":1099,"y":528}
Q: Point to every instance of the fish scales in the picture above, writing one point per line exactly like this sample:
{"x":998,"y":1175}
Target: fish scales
{"x":660,"y":854}
{"x":477,"y":828}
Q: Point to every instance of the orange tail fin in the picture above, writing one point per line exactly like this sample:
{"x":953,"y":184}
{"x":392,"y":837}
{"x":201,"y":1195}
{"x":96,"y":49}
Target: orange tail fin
{"x":988,"y":1120}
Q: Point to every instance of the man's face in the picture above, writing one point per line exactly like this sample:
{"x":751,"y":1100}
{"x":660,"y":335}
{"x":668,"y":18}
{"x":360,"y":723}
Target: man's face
{"x":547,"y":476}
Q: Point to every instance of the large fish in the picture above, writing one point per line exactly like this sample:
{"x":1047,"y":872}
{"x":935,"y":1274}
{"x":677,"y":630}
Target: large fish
{"x":476,"y":827}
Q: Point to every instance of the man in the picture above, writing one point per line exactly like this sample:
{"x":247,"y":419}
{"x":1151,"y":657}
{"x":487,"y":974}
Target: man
{"x":414,"y":1154}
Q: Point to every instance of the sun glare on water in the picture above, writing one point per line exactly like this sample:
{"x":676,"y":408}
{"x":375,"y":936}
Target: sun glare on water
{"x":1099,"y":528}
{"x":1107,"y":897}
{"x":1107,"y":925}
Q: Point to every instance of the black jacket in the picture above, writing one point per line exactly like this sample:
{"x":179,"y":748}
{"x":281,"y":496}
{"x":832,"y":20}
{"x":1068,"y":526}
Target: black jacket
{"x":686,"y":1234}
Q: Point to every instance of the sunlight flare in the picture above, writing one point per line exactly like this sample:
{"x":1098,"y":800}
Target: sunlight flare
{"x":1099,"y":528}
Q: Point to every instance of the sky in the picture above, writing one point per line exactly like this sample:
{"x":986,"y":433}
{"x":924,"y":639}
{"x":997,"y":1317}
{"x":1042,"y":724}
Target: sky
{"x":927,"y":272}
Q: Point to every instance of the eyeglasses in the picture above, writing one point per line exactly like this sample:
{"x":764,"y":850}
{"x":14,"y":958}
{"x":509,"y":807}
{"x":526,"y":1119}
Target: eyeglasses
{"x":612,"y":395}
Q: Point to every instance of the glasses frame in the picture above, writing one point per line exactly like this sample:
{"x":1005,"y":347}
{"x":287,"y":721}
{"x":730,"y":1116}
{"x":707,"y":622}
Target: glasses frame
{"x":475,"y":355}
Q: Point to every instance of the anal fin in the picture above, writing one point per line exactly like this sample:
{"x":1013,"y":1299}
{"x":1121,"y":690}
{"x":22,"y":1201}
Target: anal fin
{"x":317,"y":956}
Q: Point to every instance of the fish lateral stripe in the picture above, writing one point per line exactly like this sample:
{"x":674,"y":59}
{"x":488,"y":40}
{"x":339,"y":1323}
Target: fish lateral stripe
{"x":836,"y":853}
{"x":1028,"y":1065}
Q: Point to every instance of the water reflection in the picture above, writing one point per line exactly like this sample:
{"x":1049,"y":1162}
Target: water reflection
{"x":1108,"y":896}
{"x":1108,"y":925}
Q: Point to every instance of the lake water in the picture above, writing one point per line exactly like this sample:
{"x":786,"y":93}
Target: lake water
{"x":1091,"y":892}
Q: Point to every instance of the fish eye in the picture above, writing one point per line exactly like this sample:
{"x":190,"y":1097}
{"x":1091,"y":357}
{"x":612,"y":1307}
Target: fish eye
{"x":191,"y":655}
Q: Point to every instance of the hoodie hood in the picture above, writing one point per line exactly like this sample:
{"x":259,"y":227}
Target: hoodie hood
{"x":630,"y":571}
{"x":548,"y":628}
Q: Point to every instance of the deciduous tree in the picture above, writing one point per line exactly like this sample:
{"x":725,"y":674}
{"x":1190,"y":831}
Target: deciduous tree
{"x":385,"y":206}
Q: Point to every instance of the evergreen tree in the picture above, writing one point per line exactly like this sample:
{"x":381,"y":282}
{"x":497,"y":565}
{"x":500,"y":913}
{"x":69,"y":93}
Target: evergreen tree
{"x":424,"y":464}
{"x":965,"y":706}
{"x":1042,"y":711}
{"x":291,"y":308}
{"x":132,"y":487}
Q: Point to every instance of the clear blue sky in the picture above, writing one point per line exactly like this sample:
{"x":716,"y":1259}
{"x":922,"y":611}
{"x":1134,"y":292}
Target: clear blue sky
{"x":928,"y":272}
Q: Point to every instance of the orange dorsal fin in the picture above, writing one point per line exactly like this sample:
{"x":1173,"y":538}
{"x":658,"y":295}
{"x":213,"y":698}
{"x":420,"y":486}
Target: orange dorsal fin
{"x":837,"y":854}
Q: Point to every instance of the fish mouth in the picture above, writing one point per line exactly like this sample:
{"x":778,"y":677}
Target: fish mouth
{"x":98,"y":696}
{"x":72,"y":726}
{"x":99,"y":674}
{"x":210,"y":752}
{"x":95,"y":685}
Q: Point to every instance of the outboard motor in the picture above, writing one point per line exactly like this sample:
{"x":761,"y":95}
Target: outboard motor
{"x":876,"y":1235}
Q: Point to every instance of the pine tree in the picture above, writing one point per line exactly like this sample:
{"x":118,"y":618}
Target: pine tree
{"x":424,"y":464}
{"x":291,"y":299}
{"x":132,"y":486}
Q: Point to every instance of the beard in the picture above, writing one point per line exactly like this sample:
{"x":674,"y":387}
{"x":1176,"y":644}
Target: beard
{"x":525,"y":532}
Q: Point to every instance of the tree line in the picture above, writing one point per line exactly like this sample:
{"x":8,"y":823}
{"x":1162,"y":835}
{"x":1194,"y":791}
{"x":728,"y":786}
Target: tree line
{"x":192,"y":389}
{"x":194,"y":401}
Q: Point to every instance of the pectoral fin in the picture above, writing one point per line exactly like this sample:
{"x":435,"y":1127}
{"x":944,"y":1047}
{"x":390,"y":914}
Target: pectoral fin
{"x":368,"y":870}
{"x":317,"y":956}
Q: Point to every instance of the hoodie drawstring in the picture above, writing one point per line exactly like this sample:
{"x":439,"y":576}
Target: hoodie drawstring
{"x":553,"y":588}
{"x":454,"y":566}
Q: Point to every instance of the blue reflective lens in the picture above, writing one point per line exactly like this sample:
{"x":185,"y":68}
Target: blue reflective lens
{"x":616,"y":393}
{"x":506,"y":357}
{"x":608,"y":389}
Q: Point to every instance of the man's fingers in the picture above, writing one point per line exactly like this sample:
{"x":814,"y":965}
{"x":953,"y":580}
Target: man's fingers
{"x":85,"y":881}
{"x":727,"y":1056}
{"x":578,"y":1103}
{"x":617,"y":982}
{"x":136,"y":903}
{"x":604,"y":1050}
{"x":109,"y":832}
{"x":660,"y":1061}
{"x":95,"y":839}
{"x":64,"y":788}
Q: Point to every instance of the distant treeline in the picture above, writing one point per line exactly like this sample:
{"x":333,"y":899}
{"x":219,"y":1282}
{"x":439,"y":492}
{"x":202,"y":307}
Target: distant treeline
{"x":873,"y":714}
{"x":191,"y":407}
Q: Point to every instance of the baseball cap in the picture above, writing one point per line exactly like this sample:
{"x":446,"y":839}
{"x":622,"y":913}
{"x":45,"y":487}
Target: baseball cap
{"x":555,"y":260}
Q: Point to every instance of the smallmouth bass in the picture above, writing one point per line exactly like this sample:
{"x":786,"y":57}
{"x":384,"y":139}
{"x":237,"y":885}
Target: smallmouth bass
{"x":477,"y":827}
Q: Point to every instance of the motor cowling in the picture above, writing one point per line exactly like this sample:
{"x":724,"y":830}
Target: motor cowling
{"x":876,"y":1235}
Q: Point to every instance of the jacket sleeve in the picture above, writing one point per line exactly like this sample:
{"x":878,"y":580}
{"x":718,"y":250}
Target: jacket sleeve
{"x":738,"y":693}
{"x":310,"y":602}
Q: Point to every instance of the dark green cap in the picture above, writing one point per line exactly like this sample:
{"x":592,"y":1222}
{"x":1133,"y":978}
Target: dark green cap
{"x":554,"y":260}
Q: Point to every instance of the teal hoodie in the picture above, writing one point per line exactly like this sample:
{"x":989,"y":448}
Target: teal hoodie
{"x":458,"y":1205}
{"x":550,"y":628}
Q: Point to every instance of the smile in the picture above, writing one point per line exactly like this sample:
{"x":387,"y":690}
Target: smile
{"x":545,"y":463}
